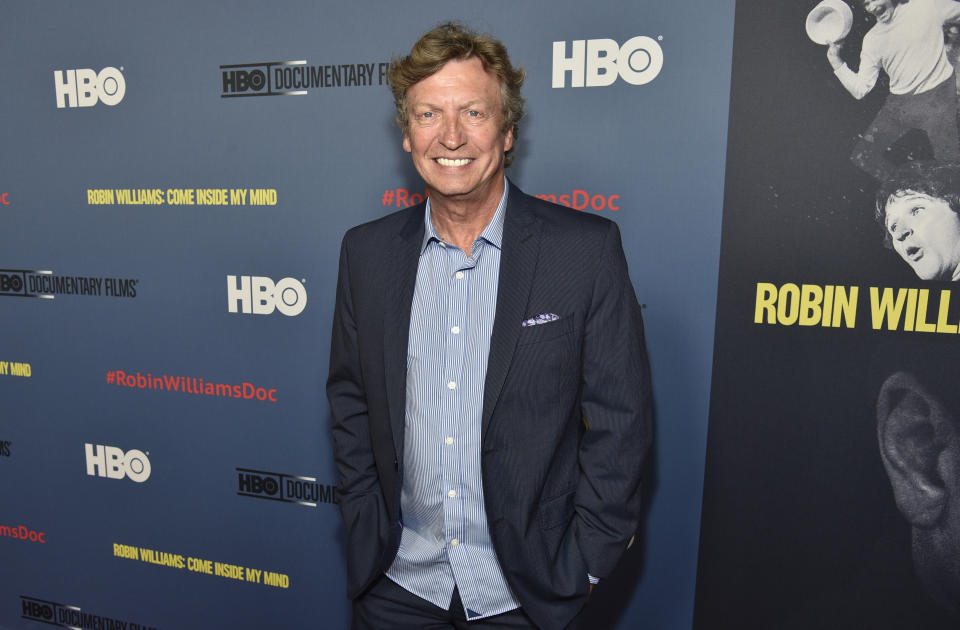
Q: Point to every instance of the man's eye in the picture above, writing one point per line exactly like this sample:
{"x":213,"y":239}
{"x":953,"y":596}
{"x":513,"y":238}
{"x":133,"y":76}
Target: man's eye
{"x":916,"y":209}
{"x":426,"y":115}
{"x":473,"y":113}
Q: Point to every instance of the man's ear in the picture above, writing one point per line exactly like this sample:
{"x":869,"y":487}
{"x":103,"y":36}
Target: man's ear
{"x":913,"y":429}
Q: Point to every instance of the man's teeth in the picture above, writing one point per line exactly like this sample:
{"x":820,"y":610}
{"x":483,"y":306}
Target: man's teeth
{"x":448,"y":162}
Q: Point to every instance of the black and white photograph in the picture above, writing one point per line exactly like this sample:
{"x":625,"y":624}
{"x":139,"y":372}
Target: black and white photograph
{"x":831,"y":478}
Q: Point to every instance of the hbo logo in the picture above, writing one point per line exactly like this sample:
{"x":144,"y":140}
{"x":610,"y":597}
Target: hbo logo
{"x":10,"y":283}
{"x":598,"y":62}
{"x":260,"y":296}
{"x":36,"y":610}
{"x":241,"y":80}
{"x":112,"y":462}
{"x":84,"y":87}
{"x":255,"y":484}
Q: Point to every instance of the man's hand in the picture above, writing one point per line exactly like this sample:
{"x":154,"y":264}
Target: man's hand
{"x":833,"y":54}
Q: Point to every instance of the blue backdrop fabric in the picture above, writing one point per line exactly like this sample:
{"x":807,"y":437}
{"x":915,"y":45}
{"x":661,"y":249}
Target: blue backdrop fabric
{"x":175,"y":179}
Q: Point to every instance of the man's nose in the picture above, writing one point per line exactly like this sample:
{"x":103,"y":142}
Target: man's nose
{"x":451,"y":136}
{"x":901,"y":232}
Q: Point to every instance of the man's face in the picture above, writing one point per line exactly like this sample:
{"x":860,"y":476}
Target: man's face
{"x":880,"y":9}
{"x":926,"y":234}
{"x":454,"y":133}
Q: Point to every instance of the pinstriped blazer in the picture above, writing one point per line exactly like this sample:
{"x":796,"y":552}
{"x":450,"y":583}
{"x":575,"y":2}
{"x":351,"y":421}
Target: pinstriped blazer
{"x":566,"y":419}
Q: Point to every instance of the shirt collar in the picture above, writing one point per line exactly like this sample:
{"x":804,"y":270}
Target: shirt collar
{"x":492,"y":234}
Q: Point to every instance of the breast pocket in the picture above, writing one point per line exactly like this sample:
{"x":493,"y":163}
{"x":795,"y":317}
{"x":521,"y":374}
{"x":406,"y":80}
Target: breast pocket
{"x":546,"y":331}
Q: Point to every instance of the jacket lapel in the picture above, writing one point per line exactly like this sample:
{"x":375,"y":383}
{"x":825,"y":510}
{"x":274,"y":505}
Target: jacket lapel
{"x":402,"y":260}
{"x":518,"y":263}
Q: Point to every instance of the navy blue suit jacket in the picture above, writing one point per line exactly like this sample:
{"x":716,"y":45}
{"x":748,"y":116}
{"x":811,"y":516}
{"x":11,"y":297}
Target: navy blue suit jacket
{"x":566,"y":419}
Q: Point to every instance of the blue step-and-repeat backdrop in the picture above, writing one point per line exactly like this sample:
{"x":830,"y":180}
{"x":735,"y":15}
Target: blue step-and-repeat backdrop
{"x":175,"y":179}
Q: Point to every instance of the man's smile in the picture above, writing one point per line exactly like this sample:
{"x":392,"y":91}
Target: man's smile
{"x":453,"y":162}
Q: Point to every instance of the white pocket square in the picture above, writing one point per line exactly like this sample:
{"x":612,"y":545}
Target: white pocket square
{"x":542,"y":318}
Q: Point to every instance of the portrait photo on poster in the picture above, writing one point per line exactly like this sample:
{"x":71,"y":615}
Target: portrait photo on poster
{"x":830,"y":475}
{"x":914,"y":44}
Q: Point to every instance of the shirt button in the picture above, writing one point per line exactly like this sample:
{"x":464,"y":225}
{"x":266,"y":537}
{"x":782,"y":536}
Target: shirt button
{"x":442,"y":244}
{"x":455,"y":330}
{"x":454,"y":542}
{"x":449,"y":440}
{"x":459,"y":275}
{"x":451,"y":385}
{"x":452,"y":494}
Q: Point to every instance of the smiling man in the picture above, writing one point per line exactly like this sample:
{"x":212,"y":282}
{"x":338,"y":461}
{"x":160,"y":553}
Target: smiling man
{"x":919,"y":209}
{"x":455,"y":135}
{"x":488,"y":377}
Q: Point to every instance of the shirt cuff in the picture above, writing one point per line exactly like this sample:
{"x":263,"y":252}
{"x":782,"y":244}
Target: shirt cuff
{"x":593,"y":580}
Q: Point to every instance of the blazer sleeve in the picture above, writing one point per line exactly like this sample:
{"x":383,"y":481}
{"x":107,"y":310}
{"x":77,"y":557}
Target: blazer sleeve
{"x":617,"y":412}
{"x":359,"y":494}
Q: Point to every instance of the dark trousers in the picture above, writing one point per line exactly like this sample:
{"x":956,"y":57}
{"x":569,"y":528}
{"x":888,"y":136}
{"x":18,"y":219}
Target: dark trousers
{"x":389,"y":606}
{"x":933,"y":112}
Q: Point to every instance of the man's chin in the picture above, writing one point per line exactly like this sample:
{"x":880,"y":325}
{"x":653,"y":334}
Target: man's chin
{"x":925,"y":272}
{"x":447,"y":192}
{"x":456,"y":191}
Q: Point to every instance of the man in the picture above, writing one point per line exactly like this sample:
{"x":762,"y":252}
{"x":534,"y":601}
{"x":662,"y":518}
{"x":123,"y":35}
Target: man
{"x":907,"y":44}
{"x":918,"y":208}
{"x":488,"y":377}
{"x":918,"y":428}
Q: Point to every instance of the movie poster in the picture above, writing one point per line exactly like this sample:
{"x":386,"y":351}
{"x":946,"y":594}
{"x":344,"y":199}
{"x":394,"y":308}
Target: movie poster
{"x":832,"y":484}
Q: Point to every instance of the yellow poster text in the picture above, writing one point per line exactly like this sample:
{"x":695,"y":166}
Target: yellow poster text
{"x":203,"y":566}
{"x":181,"y":196}
{"x":906,"y":309}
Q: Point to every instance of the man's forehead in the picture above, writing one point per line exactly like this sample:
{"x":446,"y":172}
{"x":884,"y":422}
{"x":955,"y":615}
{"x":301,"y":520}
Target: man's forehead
{"x":908,"y":196}
{"x":452,"y":70}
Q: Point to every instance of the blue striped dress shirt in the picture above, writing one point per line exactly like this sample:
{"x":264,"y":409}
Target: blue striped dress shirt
{"x":446,"y":539}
